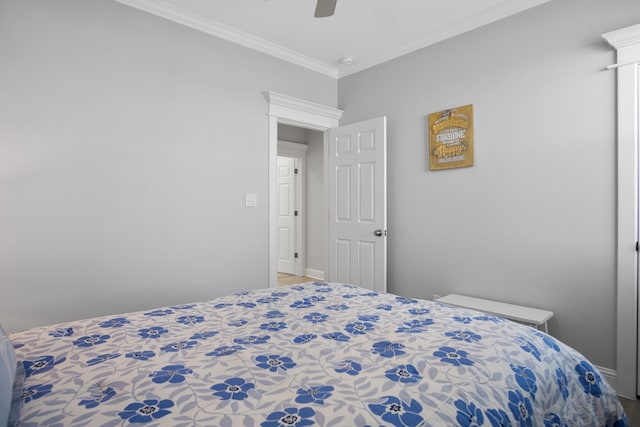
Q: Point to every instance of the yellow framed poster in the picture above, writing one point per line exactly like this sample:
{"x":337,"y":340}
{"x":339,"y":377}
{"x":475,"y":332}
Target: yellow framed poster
{"x":451,"y":138}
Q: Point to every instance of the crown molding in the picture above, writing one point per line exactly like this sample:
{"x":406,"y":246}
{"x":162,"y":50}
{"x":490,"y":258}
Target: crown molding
{"x":502,"y":10}
{"x":624,"y":37}
{"x":626,"y":41}
{"x":485,"y":17}
{"x":231,"y":34}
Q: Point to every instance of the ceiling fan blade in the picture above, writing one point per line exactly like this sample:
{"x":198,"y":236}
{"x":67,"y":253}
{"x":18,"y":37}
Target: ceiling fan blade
{"x":325,"y":8}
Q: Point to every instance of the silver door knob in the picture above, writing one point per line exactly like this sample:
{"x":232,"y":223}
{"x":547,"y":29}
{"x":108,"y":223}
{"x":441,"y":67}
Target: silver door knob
{"x":378,"y":232}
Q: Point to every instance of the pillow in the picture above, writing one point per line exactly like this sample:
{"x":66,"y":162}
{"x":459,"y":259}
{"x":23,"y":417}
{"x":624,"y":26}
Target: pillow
{"x":7,"y":376}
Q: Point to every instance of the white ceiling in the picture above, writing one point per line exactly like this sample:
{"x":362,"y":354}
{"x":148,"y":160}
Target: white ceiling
{"x":370,"y":31}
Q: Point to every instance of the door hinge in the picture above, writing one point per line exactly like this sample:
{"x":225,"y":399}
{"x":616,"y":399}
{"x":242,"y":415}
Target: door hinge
{"x":295,"y":213}
{"x":636,"y":246}
{"x":295,"y":255}
{"x":295,"y":171}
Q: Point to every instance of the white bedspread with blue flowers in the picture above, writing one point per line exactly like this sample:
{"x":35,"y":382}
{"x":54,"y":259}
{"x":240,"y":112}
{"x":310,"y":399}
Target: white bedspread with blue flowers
{"x":316,"y":354}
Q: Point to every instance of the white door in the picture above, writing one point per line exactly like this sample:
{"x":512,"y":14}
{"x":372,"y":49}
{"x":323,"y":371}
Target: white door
{"x":357,"y":168}
{"x":286,"y":215}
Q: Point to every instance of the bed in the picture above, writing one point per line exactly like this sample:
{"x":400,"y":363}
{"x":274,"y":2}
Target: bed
{"x":312,"y":354}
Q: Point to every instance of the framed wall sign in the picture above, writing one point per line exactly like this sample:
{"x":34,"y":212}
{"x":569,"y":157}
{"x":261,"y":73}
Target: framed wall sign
{"x":451,"y":138}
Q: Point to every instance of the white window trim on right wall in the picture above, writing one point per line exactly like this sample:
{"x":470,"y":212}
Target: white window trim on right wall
{"x":626,"y":41}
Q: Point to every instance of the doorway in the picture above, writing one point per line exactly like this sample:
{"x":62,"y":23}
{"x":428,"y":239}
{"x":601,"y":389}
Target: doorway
{"x":299,"y":204}
{"x":357,"y":224}
{"x":287,"y":110}
{"x":290,"y":200}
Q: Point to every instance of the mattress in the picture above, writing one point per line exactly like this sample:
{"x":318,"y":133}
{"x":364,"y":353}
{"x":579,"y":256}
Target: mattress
{"x":313,"y":354}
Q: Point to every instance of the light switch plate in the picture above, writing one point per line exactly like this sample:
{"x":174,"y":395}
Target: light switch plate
{"x":251,"y":200}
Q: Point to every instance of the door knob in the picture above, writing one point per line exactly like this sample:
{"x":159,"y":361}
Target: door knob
{"x":378,"y":232}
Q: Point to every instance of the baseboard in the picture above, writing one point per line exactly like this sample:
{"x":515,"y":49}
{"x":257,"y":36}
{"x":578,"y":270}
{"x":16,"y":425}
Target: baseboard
{"x":609,"y":375}
{"x":314,"y":274}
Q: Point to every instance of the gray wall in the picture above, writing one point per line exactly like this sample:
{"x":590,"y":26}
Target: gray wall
{"x":316,"y":234}
{"x":292,"y":134}
{"x":127,"y":144}
{"x":533,"y":222}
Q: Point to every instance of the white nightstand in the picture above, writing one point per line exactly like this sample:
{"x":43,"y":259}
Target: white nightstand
{"x":519,"y":313}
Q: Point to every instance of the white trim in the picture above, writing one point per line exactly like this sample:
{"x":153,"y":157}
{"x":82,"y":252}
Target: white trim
{"x":325,"y":203}
{"x":627,"y":43}
{"x":301,"y":201}
{"x":288,"y":110}
{"x":624,"y":37}
{"x":484,"y":17}
{"x":301,"y":113}
{"x":198,"y":22}
{"x":292,"y":149}
{"x":614,"y":66}
{"x":609,"y":375}
{"x":314,"y":274}
{"x":272,"y":268}
{"x":223,"y":31}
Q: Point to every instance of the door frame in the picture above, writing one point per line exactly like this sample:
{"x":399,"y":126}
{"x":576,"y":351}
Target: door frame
{"x":298,"y":152}
{"x":626,"y":41}
{"x":301,"y":113}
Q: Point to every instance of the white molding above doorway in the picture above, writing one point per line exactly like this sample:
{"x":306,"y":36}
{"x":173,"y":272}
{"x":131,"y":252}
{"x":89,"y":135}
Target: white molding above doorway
{"x":298,"y":112}
{"x":295,"y":112}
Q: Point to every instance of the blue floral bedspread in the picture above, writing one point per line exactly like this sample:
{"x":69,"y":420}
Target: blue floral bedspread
{"x":317,"y":354}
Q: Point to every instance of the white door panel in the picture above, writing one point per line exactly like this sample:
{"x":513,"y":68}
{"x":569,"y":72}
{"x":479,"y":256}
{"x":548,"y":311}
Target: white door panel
{"x":343,"y":194}
{"x":366,"y":208}
{"x":286,"y":208}
{"x":366,"y":254}
{"x":357,"y":204}
{"x":343,"y":261}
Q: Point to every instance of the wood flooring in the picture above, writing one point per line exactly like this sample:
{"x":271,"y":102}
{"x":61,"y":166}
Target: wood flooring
{"x":289,"y":279}
{"x":632,"y":408}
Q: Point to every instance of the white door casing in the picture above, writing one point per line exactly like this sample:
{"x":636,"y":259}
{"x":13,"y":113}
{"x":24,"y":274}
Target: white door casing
{"x":626,"y":41}
{"x":296,"y":112}
{"x":357,"y":204}
{"x":286,"y":215}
